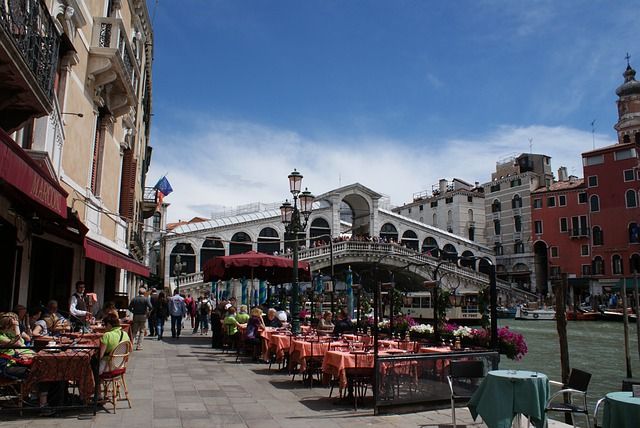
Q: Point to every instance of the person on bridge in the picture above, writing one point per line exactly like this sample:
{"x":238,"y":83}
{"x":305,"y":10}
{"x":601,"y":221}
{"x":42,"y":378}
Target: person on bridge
{"x":178,"y":310}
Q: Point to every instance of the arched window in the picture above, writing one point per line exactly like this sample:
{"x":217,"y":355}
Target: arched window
{"x":467,"y":259}
{"x":410,"y":240}
{"x":319,"y":231}
{"x":496,"y":227}
{"x":389,"y":233}
{"x":449,"y":252}
{"x":495,"y":206}
{"x":187,"y":259}
{"x":616,"y":264}
{"x":435,"y":220}
{"x":634,"y":263}
{"x":634,"y":233}
{"x":470,"y":215}
{"x":211,"y":248}
{"x":268,"y":241}
{"x":449,"y":221}
{"x":516,"y":202}
{"x":240,"y":243}
{"x":598,"y":236}
{"x":631,"y":199}
{"x":598,"y":266}
{"x":499,"y":249}
{"x":430,"y":247}
{"x":594,"y":203}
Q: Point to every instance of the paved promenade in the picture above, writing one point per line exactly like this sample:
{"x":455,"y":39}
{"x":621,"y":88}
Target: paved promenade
{"x":185,"y":383}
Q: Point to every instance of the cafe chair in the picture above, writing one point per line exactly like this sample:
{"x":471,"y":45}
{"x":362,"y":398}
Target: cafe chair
{"x":313,"y":364}
{"x":358,"y":379}
{"x":112,"y":379}
{"x":575,"y":387}
{"x":599,"y":404}
{"x":464,"y":377}
{"x":12,"y":388}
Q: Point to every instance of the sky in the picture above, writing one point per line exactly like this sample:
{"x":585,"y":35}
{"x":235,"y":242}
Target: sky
{"x":392,"y":94}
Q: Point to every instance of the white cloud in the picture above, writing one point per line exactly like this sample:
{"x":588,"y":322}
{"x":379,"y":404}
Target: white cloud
{"x":226,"y":163}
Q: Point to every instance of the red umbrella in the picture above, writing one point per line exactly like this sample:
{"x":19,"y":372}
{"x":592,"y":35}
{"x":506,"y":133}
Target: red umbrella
{"x":254,"y":265}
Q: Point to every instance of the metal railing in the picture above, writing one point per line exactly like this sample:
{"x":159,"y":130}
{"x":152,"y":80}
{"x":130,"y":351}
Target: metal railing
{"x":580,"y":232}
{"x":109,"y":32}
{"x":150,"y":195}
{"x":31,"y":28}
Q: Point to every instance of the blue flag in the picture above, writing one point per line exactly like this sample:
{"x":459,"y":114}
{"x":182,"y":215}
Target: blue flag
{"x":163,"y":186}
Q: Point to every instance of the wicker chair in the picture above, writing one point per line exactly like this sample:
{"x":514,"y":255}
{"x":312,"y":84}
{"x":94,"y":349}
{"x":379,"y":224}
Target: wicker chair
{"x":112,"y":379}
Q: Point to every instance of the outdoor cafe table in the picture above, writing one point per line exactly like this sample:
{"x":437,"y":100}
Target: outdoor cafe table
{"x":67,"y":363}
{"x":273,"y":340}
{"x":621,"y":410}
{"x":506,"y":393}
{"x":301,"y":348}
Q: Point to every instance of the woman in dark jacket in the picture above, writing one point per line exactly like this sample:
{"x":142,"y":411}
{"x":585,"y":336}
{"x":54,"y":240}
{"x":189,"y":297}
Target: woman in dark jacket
{"x":161,"y":312}
{"x":217,"y":315}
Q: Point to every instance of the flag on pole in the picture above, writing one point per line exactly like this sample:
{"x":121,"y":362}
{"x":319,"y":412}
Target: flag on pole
{"x":163,"y":188}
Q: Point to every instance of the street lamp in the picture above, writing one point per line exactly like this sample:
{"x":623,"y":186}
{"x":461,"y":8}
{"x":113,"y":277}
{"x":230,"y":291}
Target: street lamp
{"x":295,"y":218}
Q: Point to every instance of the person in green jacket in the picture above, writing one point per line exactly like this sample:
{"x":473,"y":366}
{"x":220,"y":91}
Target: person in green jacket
{"x":230,"y":325}
{"x":242,"y":316}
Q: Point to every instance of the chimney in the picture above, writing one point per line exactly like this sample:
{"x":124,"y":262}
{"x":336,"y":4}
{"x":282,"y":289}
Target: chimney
{"x":562,"y":173}
{"x":443,"y":185}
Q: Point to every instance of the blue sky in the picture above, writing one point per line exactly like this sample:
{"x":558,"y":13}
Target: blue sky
{"x":393,"y":94}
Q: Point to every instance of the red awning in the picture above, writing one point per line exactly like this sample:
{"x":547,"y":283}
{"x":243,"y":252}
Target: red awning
{"x":105,"y":255}
{"x":23,"y":173}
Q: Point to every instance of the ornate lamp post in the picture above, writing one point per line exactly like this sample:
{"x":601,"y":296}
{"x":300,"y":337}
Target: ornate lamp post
{"x":295,"y":218}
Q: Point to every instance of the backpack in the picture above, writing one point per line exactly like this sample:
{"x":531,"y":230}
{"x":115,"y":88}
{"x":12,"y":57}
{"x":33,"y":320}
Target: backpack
{"x":204,"y":307}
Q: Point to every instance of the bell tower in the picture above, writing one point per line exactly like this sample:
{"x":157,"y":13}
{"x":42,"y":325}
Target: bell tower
{"x":628,"y":125}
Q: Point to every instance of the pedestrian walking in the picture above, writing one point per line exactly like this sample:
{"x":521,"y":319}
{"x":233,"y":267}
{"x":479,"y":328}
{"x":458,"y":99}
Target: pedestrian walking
{"x":205,"y":312}
{"x":153,"y":298}
{"x":191,"y":309}
{"x":140,"y":306}
{"x":177,"y":310}
{"x":196,"y":315}
{"x":161,"y":313}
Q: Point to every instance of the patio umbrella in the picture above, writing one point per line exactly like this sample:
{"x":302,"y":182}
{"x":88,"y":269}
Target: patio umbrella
{"x":254,"y":265}
{"x":349,"y":282}
{"x":263,"y":292}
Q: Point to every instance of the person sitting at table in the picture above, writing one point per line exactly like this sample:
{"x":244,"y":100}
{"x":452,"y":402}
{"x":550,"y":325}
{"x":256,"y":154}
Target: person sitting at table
{"x":242,"y":316}
{"x":325,"y":326}
{"x":108,"y":307}
{"x":252,"y":335}
{"x":23,"y":322}
{"x":110,"y":339}
{"x":231,"y":327}
{"x":38,"y":325}
{"x":55,"y":321}
{"x":14,"y":363}
{"x":272,"y":319}
{"x":343,"y":324}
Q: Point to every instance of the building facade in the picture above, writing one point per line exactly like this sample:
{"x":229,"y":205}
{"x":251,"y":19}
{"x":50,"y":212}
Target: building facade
{"x":508,"y":215}
{"x":79,"y":129}
{"x":457,"y":207}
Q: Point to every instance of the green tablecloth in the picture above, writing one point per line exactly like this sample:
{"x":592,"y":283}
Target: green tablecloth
{"x":504,"y":394}
{"x":621,"y":410}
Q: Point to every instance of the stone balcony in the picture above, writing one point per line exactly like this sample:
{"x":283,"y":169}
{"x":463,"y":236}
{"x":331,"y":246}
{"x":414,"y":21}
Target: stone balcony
{"x":113,"y":69}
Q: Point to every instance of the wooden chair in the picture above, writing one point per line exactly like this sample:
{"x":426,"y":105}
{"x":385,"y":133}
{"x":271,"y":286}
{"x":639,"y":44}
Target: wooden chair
{"x":576,"y":386}
{"x":463,"y":381}
{"x":112,"y":379}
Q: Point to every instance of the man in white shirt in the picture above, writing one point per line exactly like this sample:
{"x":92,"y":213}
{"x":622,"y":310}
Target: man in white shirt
{"x":79,"y":308}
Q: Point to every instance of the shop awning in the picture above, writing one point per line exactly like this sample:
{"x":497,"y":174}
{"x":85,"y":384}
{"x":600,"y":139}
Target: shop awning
{"x":23,"y":173}
{"x":105,"y":255}
{"x":629,"y":282}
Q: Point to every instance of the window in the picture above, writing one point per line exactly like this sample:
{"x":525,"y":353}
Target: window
{"x":448,"y":200}
{"x":616,"y":264}
{"x":551,"y":201}
{"x":517,"y":223}
{"x":586,"y":270}
{"x":628,"y":175}
{"x":157,"y":223}
{"x":495,"y":187}
{"x":582,"y":197}
{"x":554,"y":251}
{"x":564,"y":225}
{"x":496,"y":226}
{"x":516,"y":182}
{"x":421,"y":207}
{"x":592,"y":181}
{"x":469,"y":198}
{"x":594,"y":203}
{"x":630,"y":198}
{"x":598,"y":236}
{"x":554,"y":271}
{"x":499,"y":249}
{"x":434,"y":204}
{"x":537,"y":203}
{"x":593,"y":160}
{"x":518,"y":247}
{"x":584,"y":250}
{"x":598,"y":266}
{"x":409,"y":211}
{"x":472,"y":233}
{"x":624,"y":154}
{"x":634,"y":233}
{"x":562,"y":200}
{"x":98,"y":154}
{"x":435,"y":220}
{"x":538,"y":226}
{"x":495,"y":206}
{"x":516,"y":202}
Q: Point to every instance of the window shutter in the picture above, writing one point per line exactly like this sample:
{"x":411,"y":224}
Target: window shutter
{"x":127,"y":185}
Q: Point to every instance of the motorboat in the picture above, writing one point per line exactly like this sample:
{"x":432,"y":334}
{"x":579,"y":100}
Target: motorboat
{"x":504,"y":312}
{"x":527,"y":313}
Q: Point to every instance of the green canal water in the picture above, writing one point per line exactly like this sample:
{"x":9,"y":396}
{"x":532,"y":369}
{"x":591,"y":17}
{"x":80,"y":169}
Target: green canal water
{"x":594,"y":346}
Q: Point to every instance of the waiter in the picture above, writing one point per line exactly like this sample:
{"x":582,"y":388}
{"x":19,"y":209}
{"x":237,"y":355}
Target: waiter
{"x":79,"y":308}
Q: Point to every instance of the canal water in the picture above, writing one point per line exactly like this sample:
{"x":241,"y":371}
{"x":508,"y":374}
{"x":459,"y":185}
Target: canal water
{"x":594,"y":346}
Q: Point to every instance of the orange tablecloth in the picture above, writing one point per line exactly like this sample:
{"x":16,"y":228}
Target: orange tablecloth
{"x":407,"y":345}
{"x":71,"y":364}
{"x":300,"y":349}
{"x":274,"y":341}
{"x":335,"y":363}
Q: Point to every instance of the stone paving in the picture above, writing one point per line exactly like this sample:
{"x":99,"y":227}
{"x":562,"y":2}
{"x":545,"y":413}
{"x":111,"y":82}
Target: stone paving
{"x":184,"y":383}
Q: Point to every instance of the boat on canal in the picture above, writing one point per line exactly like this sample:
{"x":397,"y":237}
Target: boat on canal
{"x":532,"y":313}
{"x":504,"y":312}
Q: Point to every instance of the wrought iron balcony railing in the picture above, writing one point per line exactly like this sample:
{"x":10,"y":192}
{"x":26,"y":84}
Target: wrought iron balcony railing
{"x":111,"y":34}
{"x":581,"y":232}
{"x":33,"y":32}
